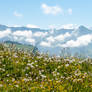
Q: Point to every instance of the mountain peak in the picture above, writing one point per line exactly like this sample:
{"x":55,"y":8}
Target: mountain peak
{"x":83,"y":27}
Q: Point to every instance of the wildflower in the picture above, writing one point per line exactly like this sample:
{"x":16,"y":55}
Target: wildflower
{"x":91,"y":85}
{"x":30,"y":65}
{"x":35,"y":61}
{"x":36,"y":65}
{"x":15,"y":55}
{"x":62,"y":77}
{"x":40,"y":72}
{"x":66,"y":65}
{"x":58,"y":73}
{"x":26,"y":74}
{"x":25,"y":79}
{"x":59,"y":66}
{"x":13,"y":79}
{"x":26,"y":67}
{"x":7,"y":80}
{"x":17,"y":62}
{"x":1,"y":85}
{"x":8,"y":75}
{"x":17,"y":86}
{"x":75,"y":80}
{"x":43,"y":76}
{"x":29,"y":61}
{"x":15,"y":82}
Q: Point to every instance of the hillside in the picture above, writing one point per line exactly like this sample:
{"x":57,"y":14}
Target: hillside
{"x":21,"y":46}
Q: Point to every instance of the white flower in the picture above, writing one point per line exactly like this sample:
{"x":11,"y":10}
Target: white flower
{"x":39,"y":72}
{"x":8,"y":75}
{"x":62,"y":77}
{"x":25,"y":79}
{"x":36,"y":65}
{"x":58,"y":74}
{"x":43,"y":76}
{"x":29,"y":61}
{"x":26,"y":74}
{"x":67,"y":65}
{"x":7,"y":80}
{"x":13,"y":79}
{"x":77,"y":72}
{"x":1,"y":85}
{"x":17,"y":86}
{"x":35,"y":61}
{"x":3,"y":69}
{"x":15,"y":55}
{"x":30,"y":65}
{"x":26,"y":67}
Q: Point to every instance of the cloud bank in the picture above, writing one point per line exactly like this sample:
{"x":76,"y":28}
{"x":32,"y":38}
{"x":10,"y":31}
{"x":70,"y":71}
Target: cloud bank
{"x":47,"y":39}
{"x":81,"y":41}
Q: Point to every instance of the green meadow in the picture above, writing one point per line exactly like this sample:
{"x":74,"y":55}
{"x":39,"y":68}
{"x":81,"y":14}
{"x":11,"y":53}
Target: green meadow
{"x":23,"y":71}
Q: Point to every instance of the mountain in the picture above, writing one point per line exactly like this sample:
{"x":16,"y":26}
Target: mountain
{"x":55,"y":41}
{"x":23,"y":28}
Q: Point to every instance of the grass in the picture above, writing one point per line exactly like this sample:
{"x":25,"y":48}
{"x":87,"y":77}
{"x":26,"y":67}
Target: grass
{"x":22,"y":71}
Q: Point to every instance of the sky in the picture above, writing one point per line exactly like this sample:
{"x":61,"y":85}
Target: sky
{"x":45,"y":13}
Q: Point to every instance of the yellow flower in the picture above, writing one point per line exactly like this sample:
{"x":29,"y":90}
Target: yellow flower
{"x":15,"y":82}
{"x":22,"y":80}
{"x":91,"y":85}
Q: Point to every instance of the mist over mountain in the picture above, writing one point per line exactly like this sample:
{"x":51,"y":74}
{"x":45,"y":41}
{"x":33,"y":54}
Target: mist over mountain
{"x":76,"y":40}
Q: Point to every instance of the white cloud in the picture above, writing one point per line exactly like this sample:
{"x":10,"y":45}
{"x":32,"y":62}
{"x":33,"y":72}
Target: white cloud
{"x":51,"y":9}
{"x":17,"y":14}
{"x":40,"y":34}
{"x":61,"y":37}
{"x":16,"y":26}
{"x":81,"y":41}
{"x":32,"y":26}
{"x":70,"y":11}
{"x":48,"y":43}
{"x":68,"y":26}
{"x":26,"y":33}
{"x":30,"y":40}
{"x":5,"y":33}
{"x":45,"y":44}
{"x":51,"y":39}
{"x":24,"y":36}
{"x":15,"y":38}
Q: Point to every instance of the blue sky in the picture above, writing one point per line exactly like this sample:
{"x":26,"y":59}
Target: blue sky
{"x":45,"y":12}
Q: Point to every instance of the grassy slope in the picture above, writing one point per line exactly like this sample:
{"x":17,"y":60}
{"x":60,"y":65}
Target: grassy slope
{"x":19,"y":45}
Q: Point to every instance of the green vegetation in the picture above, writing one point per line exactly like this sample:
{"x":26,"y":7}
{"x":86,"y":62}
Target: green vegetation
{"x":19,"y":45}
{"x":22,"y":71}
